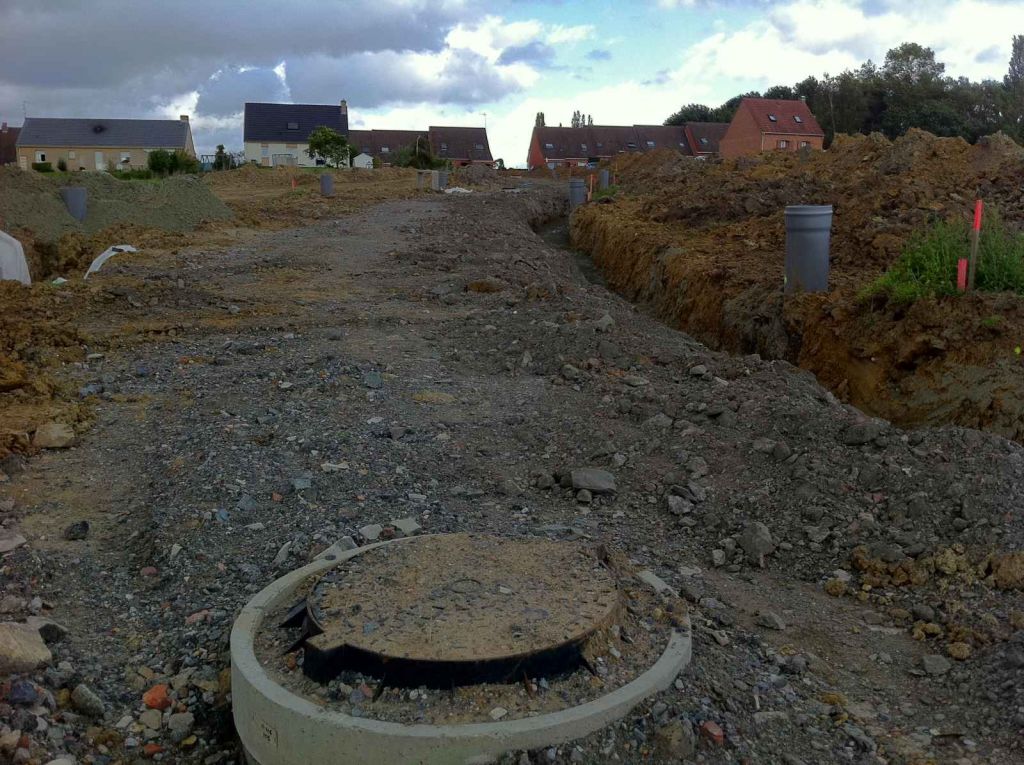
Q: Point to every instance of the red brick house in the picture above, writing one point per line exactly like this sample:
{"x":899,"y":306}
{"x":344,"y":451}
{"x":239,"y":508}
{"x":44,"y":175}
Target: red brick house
{"x":769,"y":124}
{"x":8,"y":139}
{"x":568,"y":146}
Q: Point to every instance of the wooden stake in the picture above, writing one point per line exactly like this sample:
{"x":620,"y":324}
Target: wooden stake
{"x":975,"y":240}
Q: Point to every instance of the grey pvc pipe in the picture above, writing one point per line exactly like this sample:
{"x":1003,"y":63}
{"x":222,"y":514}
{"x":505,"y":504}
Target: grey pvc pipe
{"x":75,"y":200}
{"x":442,"y":179}
{"x":326,"y":184}
{"x":577,"y":192}
{"x":808,"y":231}
{"x":602,"y":180}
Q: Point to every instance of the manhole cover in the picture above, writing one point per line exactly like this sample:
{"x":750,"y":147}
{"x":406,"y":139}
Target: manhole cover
{"x":459,"y":608}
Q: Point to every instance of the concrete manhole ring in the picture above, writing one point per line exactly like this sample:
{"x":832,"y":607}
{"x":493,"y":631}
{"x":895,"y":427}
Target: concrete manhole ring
{"x":279,"y":727}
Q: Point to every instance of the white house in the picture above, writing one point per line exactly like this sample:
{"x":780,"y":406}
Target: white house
{"x":363,"y":161}
{"x":278,"y":134}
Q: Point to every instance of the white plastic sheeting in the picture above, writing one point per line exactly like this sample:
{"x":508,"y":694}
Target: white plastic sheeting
{"x":12,"y":260}
{"x":106,"y":255}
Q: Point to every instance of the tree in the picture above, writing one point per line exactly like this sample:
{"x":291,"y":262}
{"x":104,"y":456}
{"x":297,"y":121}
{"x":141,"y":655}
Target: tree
{"x":222,"y":160}
{"x":539,"y":120}
{"x":329,"y":145}
{"x":579,"y":119}
{"x":418,"y":155}
{"x":499,"y":164}
{"x":727,"y":111}
{"x":691,"y":113}
{"x":783,"y":92}
{"x":1013,"y":85}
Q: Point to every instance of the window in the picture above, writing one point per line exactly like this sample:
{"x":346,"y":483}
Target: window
{"x":40,"y":156}
{"x":385,"y":150}
{"x":583,"y":147}
{"x":797,"y":118}
{"x":631,"y":145}
{"x":72,"y":155}
{"x":126,"y":158}
{"x":291,"y":146}
{"x":479,"y":147}
{"x":549,"y":146}
{"x":444,"y":148}
{"x":773,"y":118}
{"x":783,"y":144}
{"x":264,"y":149}
{"x":704,"y":141}
{"x":804,"y":144}
{"x":600,"y":145}
{"x":293,"y":125}
{"x":650,"y":144}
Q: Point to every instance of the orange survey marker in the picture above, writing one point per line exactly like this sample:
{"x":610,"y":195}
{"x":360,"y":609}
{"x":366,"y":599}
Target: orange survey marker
{"x":975,"y":239}
{"x":961,"y":275}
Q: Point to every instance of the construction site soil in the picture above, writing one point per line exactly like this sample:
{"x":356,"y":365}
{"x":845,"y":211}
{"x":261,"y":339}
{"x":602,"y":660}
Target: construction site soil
{"x":702,"y":244}
{"x":256,"y":394}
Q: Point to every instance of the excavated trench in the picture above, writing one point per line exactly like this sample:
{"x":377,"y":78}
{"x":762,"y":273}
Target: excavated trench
{"x":929,"y":364}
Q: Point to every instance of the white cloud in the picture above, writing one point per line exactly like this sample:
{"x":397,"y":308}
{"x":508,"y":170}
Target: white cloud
{"x":559,"y":34}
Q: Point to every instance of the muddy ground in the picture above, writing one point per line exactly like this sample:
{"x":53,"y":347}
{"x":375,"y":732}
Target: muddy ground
{"x":851,"y":584}
{"x":702,"y":245}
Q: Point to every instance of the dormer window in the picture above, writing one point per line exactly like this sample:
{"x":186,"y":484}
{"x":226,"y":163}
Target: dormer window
{"x":293,"y":125}
{"x":479,"y":147}
{"x":444,"y":148}
{"x":650,"y":144}
{"x":772,"y":118}
{"x":583,"y":147}
{"x":631,"y":145}
{"x":797,"y":118}
{"x":549,"y":146}
{"x":385,"y":150}
{"x":704,"y":141}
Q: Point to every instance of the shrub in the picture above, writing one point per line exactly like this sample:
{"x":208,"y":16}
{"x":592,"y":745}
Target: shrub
{"x":928,"y":265}
{"x":62,"y":165}
{"x":42,"y":167}
{"x":139,"y":174}
{"x":162,"y":162}
{"x":159,"y":161}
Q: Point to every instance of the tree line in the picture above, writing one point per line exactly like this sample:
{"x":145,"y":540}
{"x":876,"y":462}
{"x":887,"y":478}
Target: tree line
{"x":910,"y":89}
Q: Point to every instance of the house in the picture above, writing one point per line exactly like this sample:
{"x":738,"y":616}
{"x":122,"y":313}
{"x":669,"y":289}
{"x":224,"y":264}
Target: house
{"x":278,"y":134}
{"x":461,"y":145}
{"x":568,"y":146}
{"x":458,"y":145}
{"x":100,"y":144}
{"x":385,"y":144}
{"x":704,"y":138}
{"x":8,"y":139}
{"x":769,"y":124}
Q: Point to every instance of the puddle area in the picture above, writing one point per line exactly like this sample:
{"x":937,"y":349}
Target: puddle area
{"x":556,"y":234}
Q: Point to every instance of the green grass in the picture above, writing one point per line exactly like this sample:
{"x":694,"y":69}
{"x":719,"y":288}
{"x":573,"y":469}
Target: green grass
{"x":608,"y":192}
{"x":928,"y":265}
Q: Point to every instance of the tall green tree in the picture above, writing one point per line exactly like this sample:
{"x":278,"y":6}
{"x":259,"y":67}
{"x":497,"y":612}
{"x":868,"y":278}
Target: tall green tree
{"x":329,"y":145}
{"x":538,"y":121}
{"x":691,"y":113}
{"x":1013,"y":86}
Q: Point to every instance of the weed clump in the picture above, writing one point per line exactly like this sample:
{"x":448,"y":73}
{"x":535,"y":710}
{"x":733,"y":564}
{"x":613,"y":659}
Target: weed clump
{"x":927,"y":266}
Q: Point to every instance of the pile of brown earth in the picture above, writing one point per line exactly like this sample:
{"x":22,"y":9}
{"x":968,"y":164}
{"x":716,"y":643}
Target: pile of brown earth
{"x":703,"y":243}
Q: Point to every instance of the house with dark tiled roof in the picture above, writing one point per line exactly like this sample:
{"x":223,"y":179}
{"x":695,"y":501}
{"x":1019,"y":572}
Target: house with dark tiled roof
{"x":770,"y":124}
{"x":8,"y":141}
{"x":458,"y":145}
{"x":568,"y":146}
{"x":99,"y":144}
{"x":278,"y":134}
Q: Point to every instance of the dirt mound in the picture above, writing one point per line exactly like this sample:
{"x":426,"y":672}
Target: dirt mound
{"x":32,"y":201}
{"x":704,"y":242}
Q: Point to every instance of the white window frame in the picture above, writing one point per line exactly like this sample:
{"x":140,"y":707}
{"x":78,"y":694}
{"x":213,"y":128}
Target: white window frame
{"x":783,"y":143}
{"x":72,"y":155}
{"x":40,"y":156}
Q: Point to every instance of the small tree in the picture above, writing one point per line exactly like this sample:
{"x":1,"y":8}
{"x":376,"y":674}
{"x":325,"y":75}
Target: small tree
{"x":222,"y":160}
{"x":499,"y":164}
{"x":539,"y":120}
{"x":159,"y":161}
{"x":328,"y":145}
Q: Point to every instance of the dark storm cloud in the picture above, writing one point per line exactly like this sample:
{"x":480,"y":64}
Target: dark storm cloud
{"x":119,"y":58}
{"x":225,"y":93}
{"x":536,"y":53}
{"x":374,"y":79}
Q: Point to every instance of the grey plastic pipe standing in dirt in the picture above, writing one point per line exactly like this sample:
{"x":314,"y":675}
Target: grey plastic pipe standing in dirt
{"x":577,"y":192}
{"x":602,"y":180}
{"x":326,"y":184}
{"x":808,"y":230}
{"x":75,"y":200}
{"x":442,"y":179}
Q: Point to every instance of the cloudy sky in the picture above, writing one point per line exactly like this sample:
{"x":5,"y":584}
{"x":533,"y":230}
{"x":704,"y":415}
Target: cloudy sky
{"x":414,"y":63}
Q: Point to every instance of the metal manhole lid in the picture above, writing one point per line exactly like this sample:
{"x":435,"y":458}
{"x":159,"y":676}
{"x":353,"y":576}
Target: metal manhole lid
{"x":464,"y":598}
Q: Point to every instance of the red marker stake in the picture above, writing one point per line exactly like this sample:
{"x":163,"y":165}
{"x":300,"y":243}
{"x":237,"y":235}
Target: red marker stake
{"x":975,"y":237}
{"x":961,"y":274}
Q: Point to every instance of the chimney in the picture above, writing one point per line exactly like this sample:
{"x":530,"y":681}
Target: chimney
{"x":3,"y":127}
{"x":184,"y":118}
{"x":344,"y":107}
